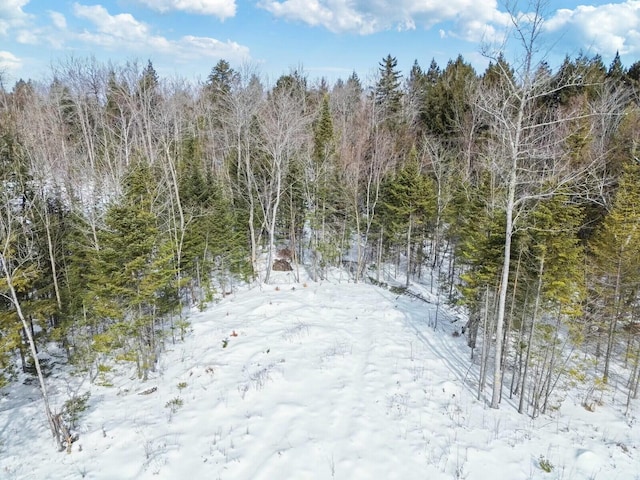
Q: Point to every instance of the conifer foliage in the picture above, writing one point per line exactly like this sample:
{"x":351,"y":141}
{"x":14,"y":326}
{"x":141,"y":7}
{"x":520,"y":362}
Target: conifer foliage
{"x":130,"y":285}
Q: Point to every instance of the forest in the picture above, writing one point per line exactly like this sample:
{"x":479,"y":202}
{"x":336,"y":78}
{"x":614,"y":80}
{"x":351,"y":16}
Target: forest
{"x":514,"y":192}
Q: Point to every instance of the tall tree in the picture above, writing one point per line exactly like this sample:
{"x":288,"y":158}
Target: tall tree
{"x":19,"y":263}
{"x":388,"y":92}
{"x":221,"y":79}
{"x":283,"y":129}
{"x":408,"y":203}
{"x":557,"y":262}
{"x":527,"y":148}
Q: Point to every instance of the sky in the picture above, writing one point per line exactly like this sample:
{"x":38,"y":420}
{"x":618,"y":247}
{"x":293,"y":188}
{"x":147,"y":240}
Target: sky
{"x":322,"y":38}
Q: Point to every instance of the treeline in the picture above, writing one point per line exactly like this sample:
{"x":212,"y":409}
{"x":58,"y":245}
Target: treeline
{"x":126,"y":197}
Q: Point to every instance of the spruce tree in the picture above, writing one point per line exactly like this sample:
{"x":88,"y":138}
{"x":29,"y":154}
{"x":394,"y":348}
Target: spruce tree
{"x":130,"y":274}
{"x":557,"y":269}
{"x":388,"y":92}
{"x":408,"y":203}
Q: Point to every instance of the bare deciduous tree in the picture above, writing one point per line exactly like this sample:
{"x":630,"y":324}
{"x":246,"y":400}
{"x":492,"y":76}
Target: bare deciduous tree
{"x":527,"y":145}
{"x":284,"y":132}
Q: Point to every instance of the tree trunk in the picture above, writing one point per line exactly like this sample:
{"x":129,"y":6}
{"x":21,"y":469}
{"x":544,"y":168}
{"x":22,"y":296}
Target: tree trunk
{"x":612,"y":324}
{"x":534,"y":317}
{"x":409,"y":252}
{"x":53,"y":425}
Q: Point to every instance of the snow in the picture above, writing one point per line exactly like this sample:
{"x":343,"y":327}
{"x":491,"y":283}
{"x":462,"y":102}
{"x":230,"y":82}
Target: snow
{"x":313,"y":381}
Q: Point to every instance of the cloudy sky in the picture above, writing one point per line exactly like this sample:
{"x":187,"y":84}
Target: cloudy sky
{"x":329,"y":38}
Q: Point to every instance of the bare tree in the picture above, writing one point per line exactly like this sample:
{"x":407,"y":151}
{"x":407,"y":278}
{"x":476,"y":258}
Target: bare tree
{"x":367,"y":156}
{"x":284,"y":130}
{"x":240,"y":108}
{"x":527,"y":145}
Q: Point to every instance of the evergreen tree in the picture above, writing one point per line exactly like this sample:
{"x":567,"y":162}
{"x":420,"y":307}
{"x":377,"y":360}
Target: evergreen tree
{"x":634,"y":73}
{"x":221,"y":78}
{"x":326,"y":196}
{"x":129,"y":276}
{"x":616,"y":69}
{"x":408,"y":203}
{"x":388,"y":92}
{"x":615,"y":251}
{"x":354,"y":84}
{"x":448,"y":100}
{"x":498,"y":72}
{"x":417,"y":89}
{"x":557,"y":268}
{"x":149,"y":80}
{"x":480,"y":247}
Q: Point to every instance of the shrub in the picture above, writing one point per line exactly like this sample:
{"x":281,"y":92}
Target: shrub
{"x":174,"y":404}
{"x":73,"y":407}
{"x":545,"y":464}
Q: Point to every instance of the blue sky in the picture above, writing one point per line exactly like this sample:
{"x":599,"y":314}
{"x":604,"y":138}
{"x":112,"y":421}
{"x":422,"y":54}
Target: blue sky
{"x":326,"y":38}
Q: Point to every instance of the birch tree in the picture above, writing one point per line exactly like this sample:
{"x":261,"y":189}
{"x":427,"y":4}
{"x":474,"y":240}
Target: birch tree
{"x":527,"y":146}
{"x":283,"y":130}
{"x":18,"y":268}
{"x":241,"y":106}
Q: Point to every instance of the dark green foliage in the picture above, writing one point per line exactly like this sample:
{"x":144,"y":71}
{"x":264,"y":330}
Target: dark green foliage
{"x":481,"y":244}
{"x":145,"y":247}
{"x":616,"y":70}
{"x":149,"y":80}
{"x":555,"y":224}
{"x":615,"y":258}
{"x":213,"y":235}
{"x":407,"y":198}
{"x":447,"y":98}
{"x":323,"y":138}
{"x":293,"y":84}
{"x":407,"y":208}
{"x":388,"y":94}
{"x":582,"y":76}
{"x":498,"y":72}
{"x":131,"y":276}
{"x":221,"y":79}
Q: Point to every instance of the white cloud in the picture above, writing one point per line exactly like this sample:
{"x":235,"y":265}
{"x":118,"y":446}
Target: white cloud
{"x":604,"y":29}
{"x":9,"y":62}
{"x":121,"y":26}
{"x":219,"y":8}
{"x":29,"y":37}
{"x":11,"y":15}
{"x":471,"y":19}
{"x":124,"y":32}
{"x":24,"y":29}
{"x":58,"y":20}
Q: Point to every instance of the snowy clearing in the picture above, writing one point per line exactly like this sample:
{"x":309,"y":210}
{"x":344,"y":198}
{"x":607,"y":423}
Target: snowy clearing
{"x":318,"y":381}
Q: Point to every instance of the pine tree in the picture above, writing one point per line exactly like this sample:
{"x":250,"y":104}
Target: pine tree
{"x":19,"y":265}
{"x":448,"y":101}
{"x":616,"y":70}
{"x":221,"y":79}
{"x":326,"y":196}
{"x":479,"y":248}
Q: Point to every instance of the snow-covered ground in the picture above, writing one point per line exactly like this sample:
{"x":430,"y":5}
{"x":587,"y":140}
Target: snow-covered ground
{"x":313,"y":381}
